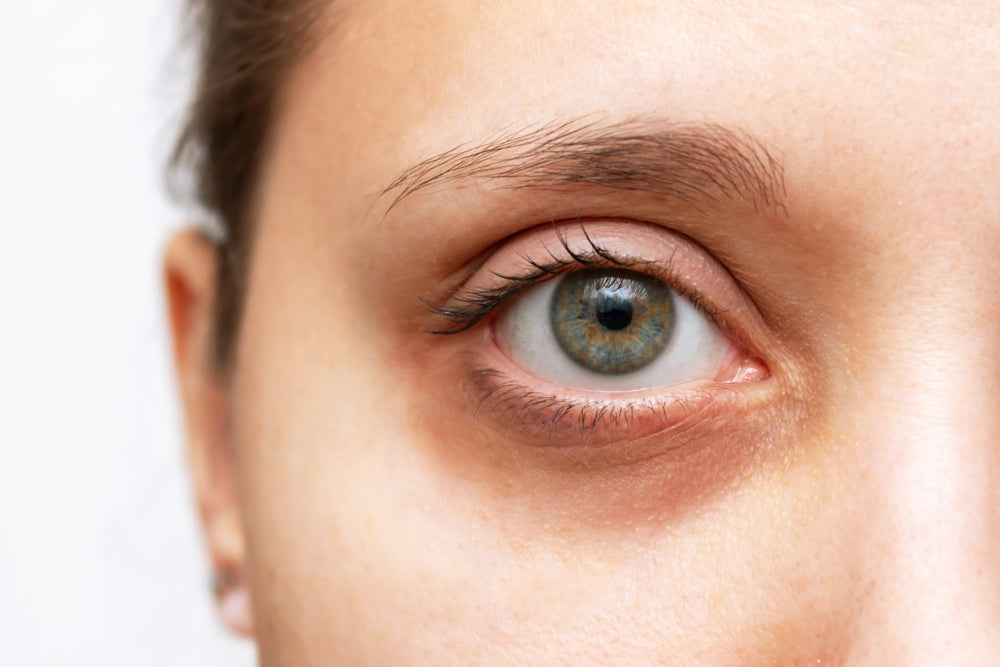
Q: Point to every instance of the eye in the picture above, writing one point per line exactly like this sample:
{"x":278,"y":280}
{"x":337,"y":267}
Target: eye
{"x":607,"y":329}
{"x":610,"y":330}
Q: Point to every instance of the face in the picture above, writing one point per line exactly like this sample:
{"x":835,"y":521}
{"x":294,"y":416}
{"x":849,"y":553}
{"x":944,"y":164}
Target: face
{"x":616,"y":333}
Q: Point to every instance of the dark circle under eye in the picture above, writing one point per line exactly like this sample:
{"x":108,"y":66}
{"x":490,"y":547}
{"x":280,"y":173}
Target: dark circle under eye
{"x":612,"y":321}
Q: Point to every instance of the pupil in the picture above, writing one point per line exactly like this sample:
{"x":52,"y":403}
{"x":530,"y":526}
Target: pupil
{"x":614,"y":313}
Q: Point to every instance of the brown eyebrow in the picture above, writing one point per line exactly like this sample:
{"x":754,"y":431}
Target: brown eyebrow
{"x":686,"y":161}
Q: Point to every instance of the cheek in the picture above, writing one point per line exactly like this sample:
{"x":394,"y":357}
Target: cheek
{"x":367,"y":544}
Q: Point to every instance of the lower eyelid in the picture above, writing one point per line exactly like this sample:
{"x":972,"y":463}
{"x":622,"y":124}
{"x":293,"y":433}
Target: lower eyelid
{"x":547,"y":417}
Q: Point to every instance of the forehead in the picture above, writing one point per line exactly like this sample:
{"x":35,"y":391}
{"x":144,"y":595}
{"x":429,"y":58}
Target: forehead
{"x":551,"y":56}
{"x":872,"y":98}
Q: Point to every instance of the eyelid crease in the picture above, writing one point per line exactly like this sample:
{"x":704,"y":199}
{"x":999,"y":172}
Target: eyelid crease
{"x":468,"y":309}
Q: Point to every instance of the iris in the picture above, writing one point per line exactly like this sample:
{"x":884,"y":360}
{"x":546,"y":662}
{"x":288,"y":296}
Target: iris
{"x":612,"y":321}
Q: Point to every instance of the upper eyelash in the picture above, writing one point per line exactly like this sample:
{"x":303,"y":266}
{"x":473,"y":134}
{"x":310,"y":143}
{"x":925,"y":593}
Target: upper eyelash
{"x":466,"y":310}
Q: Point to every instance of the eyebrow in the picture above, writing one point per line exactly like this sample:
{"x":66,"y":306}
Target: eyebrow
{"x":689,"y":162}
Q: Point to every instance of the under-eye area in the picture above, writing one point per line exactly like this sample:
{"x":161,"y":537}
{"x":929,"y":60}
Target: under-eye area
{"x":608,"y":328}
{"x":550,"y":416}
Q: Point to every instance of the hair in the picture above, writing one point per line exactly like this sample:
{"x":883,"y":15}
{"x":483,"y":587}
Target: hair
{"x":246,"y":51}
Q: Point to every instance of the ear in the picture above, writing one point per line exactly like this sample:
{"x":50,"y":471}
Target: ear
{"x":189,"y":268}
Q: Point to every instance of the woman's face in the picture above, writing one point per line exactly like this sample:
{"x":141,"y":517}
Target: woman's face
{"x":722,"y":378}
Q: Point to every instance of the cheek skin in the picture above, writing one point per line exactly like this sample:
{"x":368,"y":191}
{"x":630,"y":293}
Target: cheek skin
{"x":381,"y":529}
{"x":620,"y":479}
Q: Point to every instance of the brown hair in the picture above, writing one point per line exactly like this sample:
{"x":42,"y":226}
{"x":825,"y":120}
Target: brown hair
{"x":246,"y":48}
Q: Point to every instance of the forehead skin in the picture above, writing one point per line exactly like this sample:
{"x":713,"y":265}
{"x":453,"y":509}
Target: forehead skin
{"x":862,"y":532}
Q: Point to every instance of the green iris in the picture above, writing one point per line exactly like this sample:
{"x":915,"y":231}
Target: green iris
{"x":612,"y":321}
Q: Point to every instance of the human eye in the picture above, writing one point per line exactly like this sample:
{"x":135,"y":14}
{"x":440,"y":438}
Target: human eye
{"x":606,"y":327}
{"x":611,"y":329}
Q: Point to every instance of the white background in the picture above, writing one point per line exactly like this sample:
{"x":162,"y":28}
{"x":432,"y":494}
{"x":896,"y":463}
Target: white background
{"x":100,"y":558}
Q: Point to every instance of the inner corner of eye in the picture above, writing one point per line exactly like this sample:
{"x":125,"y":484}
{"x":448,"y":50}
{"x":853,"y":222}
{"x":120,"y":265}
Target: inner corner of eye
{"x":745,"y":369}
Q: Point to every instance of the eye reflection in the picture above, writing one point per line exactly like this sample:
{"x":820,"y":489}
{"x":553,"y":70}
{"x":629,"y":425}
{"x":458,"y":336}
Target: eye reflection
{"x":612,"y":321}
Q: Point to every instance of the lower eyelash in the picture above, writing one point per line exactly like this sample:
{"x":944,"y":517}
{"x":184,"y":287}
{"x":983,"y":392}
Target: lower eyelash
{"x":515,"y":405}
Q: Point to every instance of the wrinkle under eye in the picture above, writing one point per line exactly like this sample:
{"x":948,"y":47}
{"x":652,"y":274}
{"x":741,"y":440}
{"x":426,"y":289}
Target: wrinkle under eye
{"x":612,"y":321}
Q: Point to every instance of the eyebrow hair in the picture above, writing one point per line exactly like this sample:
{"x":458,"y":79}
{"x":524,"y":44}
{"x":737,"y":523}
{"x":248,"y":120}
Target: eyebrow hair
{"x":689,"y":162}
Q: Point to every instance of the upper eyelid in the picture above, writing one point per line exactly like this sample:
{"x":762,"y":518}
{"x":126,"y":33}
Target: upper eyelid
{"x":469,"y":306}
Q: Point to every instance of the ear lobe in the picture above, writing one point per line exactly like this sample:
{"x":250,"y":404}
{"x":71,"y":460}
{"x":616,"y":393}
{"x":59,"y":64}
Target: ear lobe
{"x":189,"y":272}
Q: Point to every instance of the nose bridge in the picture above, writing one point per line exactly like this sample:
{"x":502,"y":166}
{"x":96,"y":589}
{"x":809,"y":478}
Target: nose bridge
{"x":931,"y":452}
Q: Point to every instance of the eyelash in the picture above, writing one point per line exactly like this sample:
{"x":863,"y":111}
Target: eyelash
{"x":469,"y":309}
{"x":512,"y":401}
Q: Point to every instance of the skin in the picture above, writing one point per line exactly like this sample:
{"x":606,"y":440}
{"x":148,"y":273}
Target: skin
{"x":841,"y":507}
